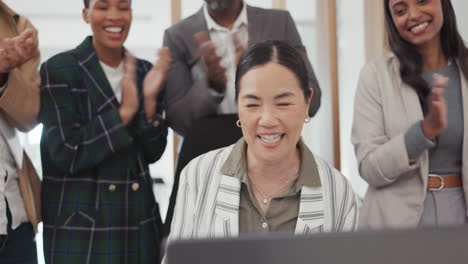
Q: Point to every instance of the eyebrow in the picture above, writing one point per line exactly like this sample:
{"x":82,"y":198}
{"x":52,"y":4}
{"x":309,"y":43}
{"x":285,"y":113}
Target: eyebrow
{"x":279,"y":96}
{"x":120,"y":1}
{"x":283,"y":95}
{"x":397,"y":3}
{"x":251,"y":96}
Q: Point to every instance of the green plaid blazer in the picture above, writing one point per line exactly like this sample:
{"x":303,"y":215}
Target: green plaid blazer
{"x":97,"y":198}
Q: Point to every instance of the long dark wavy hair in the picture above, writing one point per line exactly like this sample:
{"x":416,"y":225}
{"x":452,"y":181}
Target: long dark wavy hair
{"x":411,"y":61}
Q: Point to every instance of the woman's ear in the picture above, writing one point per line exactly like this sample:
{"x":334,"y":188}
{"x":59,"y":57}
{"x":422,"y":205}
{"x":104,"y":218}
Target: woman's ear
{"x":85,"y":13}
{"x":310,"y":97}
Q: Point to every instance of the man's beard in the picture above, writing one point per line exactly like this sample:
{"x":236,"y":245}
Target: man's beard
{"x":220,"y":5}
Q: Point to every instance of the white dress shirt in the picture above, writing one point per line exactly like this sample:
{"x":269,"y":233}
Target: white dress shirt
{"x":225,"y":48}
{"x":114,"y":77}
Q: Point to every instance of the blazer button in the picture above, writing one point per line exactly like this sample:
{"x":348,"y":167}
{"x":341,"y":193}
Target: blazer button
{"x":135,"y":186}
{"x":112,"y":187}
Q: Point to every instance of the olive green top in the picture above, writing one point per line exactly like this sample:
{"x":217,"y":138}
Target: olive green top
{"x":284,"y":208}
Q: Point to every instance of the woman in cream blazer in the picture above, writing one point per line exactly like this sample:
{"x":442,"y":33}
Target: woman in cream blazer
{"x":387,"y":107}
{"x":269,"y":181}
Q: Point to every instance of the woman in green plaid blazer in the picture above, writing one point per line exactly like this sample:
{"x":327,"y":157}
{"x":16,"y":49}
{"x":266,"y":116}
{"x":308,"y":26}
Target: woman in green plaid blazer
{"x":102,"y":127}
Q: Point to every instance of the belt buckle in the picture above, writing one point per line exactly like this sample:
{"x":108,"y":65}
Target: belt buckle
{"x":442,"y":183}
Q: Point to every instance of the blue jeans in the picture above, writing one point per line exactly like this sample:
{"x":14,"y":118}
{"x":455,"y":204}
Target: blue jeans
{"x":20,"y":247}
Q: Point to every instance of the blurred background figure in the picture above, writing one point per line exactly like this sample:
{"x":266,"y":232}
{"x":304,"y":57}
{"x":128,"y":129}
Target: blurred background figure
{"x":206,"y":48}
{"x":409,"y":128}
{"x":19,"y":105}
{"x":101,"y":111}
{"x":269,"y":181}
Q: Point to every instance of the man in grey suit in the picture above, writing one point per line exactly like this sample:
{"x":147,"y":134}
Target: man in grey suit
{"x":205,"y":48}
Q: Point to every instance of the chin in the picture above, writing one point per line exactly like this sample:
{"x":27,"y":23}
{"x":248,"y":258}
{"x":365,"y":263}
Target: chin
{"x":115,"y":44}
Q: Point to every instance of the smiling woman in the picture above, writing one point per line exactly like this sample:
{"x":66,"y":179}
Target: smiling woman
{"x":98,"y":201}
{"x":268,"y":181}
{"x":409,"y":129}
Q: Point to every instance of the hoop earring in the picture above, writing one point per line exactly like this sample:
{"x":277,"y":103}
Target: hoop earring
{"x":238,"y":123}
{"x":307,"y":120}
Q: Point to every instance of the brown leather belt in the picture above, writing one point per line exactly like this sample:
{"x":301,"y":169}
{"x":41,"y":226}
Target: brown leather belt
{"x":436,"y":182}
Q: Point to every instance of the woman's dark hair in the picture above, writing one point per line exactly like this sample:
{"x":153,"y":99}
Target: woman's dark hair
{"x":411,"y":61}
{"x":86,"y":3}
{"x":274,"y":51}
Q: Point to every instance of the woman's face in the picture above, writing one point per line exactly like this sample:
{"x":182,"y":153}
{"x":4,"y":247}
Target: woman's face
{"x":110,"y":22}
{"x":418,"y":21}
{"x":272,"y":110}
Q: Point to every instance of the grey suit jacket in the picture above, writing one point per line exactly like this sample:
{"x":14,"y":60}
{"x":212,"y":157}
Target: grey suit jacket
{"x":189,"y":97}
{"x":384,"y":109}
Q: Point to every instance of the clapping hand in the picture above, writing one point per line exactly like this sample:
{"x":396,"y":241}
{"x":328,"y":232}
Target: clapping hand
{"x":157,"y":75}
{"x":16,"y":51}
{"x":130,"y":101}
{"x":216,"y":73}
{"x":154,"y":81}
{"x":436,"y":119}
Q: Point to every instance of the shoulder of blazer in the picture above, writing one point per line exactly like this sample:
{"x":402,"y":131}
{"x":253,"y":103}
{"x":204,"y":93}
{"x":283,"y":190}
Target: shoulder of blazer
{"x":276,"y":14}
{"x":377,"y":68}
{"x":190,"y":25}
{"x":207,"y":165}
{"x":69,"y":58}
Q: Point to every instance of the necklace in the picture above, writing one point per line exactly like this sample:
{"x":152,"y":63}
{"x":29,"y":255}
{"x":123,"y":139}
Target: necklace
{"x":267,"y":198}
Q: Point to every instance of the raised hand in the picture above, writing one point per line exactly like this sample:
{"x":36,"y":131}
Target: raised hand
{"x":16,"y":51}
{"x":436,"y":119}
{"x":216,"y":73}
{"x":155,"y":78}
{"x":130,"y":101}
{"x":154,"y":81}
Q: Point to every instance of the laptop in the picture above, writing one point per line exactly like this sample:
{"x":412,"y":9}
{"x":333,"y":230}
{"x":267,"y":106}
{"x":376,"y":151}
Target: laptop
{"x":425,"y":246}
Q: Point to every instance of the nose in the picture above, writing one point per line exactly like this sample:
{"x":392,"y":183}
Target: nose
{"x":414,"y":13}
{"x":113,"y":14}
{"x":268,"y":118}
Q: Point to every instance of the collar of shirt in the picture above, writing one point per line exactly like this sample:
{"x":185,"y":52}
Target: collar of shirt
{"x":236,"y":165}
{"x":114,"y":77}
{"x":212,"y":25}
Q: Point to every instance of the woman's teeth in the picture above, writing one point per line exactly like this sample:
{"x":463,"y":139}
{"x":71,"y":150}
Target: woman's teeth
{"x":271,"y":138}
{"x":113,"y":29}
{"x":419,"y":27}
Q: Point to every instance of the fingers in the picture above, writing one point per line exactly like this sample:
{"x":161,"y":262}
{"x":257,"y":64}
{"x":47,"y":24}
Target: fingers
{"x":207,"y":48}
{"x":27,"y":34}
{"x":129,"y":67}
{"x":129,"y":90}
{"x":164,"y":58}
{"x":201,"y":37}
{"x":17,"y":50}
{"x":439,"y":81}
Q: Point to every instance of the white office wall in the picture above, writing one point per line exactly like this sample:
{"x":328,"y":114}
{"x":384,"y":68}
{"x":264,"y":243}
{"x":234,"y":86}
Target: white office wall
{"x":461,"y":7}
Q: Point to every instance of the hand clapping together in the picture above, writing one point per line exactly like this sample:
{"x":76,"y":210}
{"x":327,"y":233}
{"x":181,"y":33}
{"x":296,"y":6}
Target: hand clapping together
{"x":152,"y":84}
{"x":15,"y":51}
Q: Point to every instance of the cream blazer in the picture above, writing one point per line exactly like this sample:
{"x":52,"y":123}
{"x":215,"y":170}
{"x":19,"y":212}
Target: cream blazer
{"x":384,"y":109}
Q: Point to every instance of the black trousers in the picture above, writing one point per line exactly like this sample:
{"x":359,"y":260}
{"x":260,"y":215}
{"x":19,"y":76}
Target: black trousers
{"x":20,"y":247}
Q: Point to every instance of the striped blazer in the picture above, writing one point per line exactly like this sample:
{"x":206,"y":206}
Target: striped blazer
{"x":208,"y":201}
{"x":98,"y":203}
